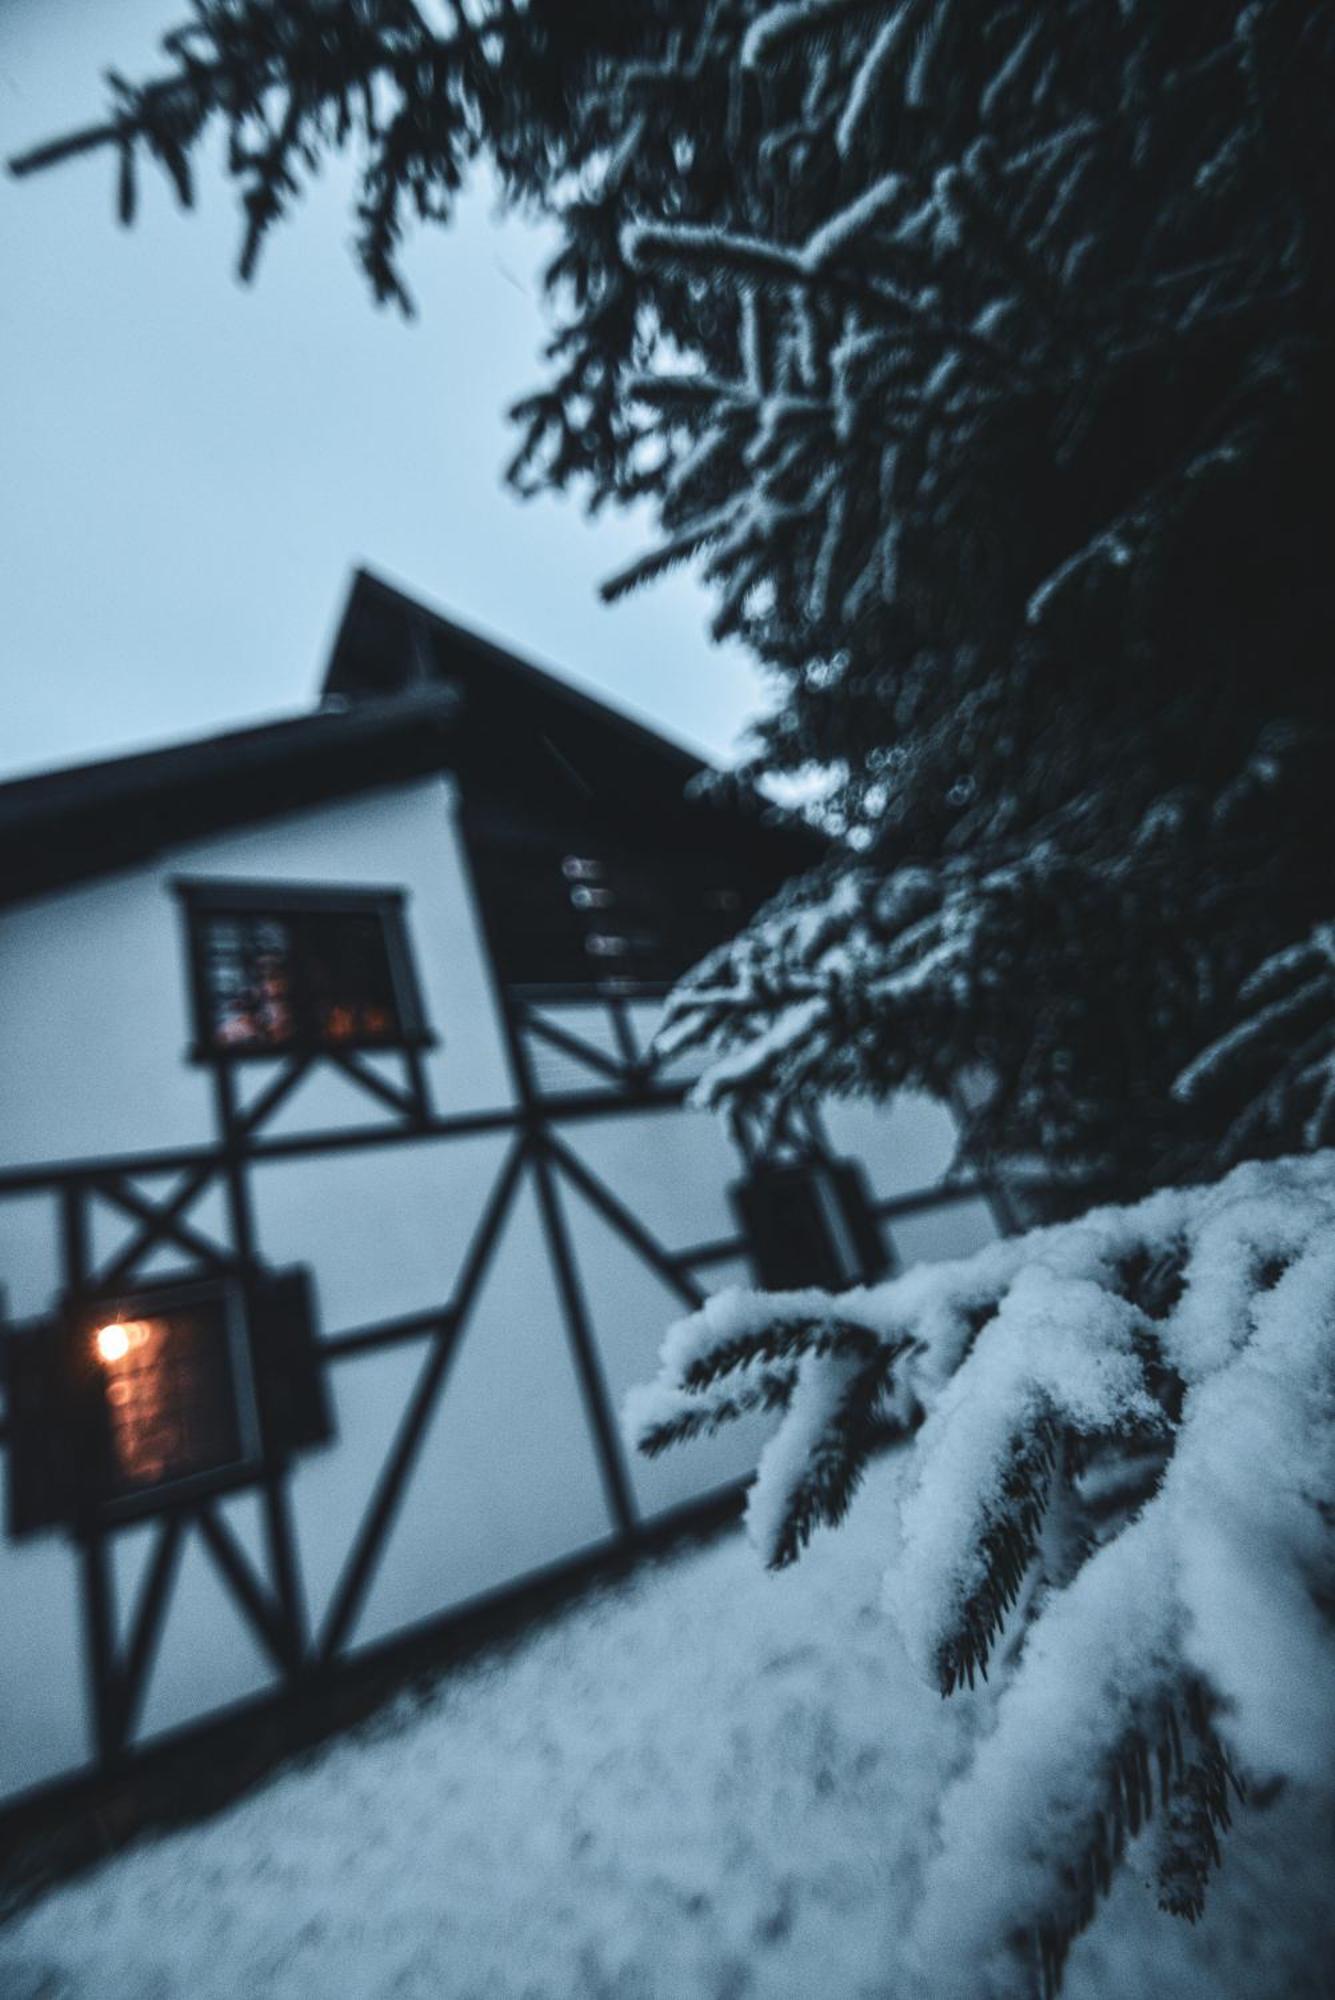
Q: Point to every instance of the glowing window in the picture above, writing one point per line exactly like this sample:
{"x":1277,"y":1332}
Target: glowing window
{"x":176,"y":1390}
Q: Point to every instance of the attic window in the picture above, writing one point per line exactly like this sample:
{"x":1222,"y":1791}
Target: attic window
{"x":638,"y":912}
{"x":281,"y":968}
{"x":577,"y":911}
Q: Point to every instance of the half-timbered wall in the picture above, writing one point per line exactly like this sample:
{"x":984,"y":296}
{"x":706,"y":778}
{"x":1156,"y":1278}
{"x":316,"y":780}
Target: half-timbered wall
{"x":497,"y":1243}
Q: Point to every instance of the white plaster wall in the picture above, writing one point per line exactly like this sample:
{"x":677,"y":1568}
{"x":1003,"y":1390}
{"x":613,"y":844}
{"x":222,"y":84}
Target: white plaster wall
{"x":191,"y":1678}
{"x":43,"y":1716}
{"x":956,"y":1230}
{"x":678,"y":1158}
{"x":508,"y":1481}
{"x":94,"y":1006}
{"x":385,"y":1230}
{"x":670,"y":1168}
{"x":94,"y":993}
{"x":29,"y":1251}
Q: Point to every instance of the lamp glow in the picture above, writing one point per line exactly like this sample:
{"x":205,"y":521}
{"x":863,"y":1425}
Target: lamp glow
{"x":113,"y":1343}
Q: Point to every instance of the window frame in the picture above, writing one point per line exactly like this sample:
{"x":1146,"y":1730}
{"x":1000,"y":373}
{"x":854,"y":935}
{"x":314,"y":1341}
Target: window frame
{"x":203,"y":897}
{"x":158,"y":1299}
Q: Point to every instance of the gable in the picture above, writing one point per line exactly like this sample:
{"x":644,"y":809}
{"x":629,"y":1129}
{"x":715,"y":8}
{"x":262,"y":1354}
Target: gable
{"x":599,"y":859}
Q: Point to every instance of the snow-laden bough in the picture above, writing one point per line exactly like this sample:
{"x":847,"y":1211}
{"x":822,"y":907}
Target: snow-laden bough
{"x":1119,"y":1507}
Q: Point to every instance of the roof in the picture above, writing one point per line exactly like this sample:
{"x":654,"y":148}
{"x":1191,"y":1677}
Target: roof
{"x":408,"y":692}
{"x":389,"y":643}
{"x":466,"y":654}
{"x":532,"y":744}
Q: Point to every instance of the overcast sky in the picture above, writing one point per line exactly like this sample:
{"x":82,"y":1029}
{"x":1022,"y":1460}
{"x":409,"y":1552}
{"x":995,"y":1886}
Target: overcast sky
{"x":191,"y":467}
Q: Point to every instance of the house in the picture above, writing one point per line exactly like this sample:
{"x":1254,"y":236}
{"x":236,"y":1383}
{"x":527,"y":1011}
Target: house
{"x":342,"y":1195}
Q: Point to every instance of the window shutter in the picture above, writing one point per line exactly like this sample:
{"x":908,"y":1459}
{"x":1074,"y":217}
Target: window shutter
{"x":850,"y":1186}
{"x":810,"y":1224}
{"x":45,"y":1489}
{"x":289,"y":1368}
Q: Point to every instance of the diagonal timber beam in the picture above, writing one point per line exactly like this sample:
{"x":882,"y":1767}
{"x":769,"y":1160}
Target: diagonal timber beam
{"x":261,"y":1607}
{"x":620,"y":1218}
{"x":161,"y":1224}
{"x":593,"y":1386}
{"x":359,"y":1570}
{"x":131,"y":1678}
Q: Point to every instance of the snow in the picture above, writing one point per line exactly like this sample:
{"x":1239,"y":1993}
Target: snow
{"x":870,"y":75}
{"x":786,"y":1462}
{"x":710,"y":1783}
{"x":1254,"y":1531}
{"x":1108,"y":547}
{"x":1038,"y":1778}
{"x":1183,"y":1351}
{"x":1056,"y":1345}
{"x":775,"y":25}
{"x":1281,"y":1003}
{"x":790,"y":1030}
{"x":843,"y":228}
{"x":991,"y":100}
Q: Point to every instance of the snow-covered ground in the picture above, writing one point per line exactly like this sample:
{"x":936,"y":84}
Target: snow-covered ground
{"x":704,"y":1784}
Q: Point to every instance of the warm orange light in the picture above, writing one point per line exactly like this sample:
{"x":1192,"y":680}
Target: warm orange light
{"x":113,"y":1343}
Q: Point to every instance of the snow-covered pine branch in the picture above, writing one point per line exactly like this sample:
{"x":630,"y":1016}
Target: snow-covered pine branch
{"x":775,"y":26}
{"x":861,"y":983}
{"x":871,"y":74}
{"x":1118,"y":1506}
{"x":1274,"y":1069}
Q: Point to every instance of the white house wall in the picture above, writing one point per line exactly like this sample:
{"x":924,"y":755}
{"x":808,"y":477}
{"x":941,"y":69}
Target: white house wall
{"x":209,"y":1656}
{"x":904,"y":1146}
{"x":94,"y":1000}
{"x":384,"y":1230}
{"x":44,"y":1721}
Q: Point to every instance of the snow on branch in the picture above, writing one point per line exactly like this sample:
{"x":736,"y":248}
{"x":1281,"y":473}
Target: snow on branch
{"x":775,"y":27}
{"x":885,"y":45}
{"x":688,"y":246}
{"x":1118,"y":1505}
{"x":844,"y":227}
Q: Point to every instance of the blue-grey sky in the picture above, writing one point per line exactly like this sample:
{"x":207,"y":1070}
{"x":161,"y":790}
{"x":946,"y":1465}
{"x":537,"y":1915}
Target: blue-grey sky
{"x":191,"y":467}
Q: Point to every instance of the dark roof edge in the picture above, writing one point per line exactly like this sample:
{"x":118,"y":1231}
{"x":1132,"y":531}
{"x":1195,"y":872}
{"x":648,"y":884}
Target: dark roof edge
{"x":70,"y":825}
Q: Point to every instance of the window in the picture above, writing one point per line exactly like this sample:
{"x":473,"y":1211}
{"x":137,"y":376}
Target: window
{"x":150,"y":1399}
{"x":173,"y":1370}
{"x":578,"y":913}
{"x":809,"y":1224}
{"x":280,"y":968}
{"x":652,"y":915}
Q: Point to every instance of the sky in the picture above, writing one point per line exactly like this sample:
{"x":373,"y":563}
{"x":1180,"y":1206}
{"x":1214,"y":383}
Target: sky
{"x":192,"y":467}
